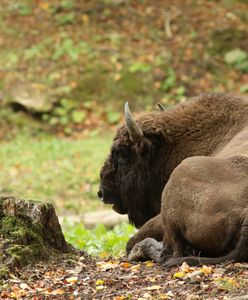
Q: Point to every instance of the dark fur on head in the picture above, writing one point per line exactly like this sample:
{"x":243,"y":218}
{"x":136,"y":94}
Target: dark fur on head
{"x":133,"y":172}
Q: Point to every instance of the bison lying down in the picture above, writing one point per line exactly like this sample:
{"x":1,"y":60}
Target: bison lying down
{"x":194,"y":159}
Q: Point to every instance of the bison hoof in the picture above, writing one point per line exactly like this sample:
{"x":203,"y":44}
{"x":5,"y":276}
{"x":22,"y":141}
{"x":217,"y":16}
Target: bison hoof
{"x":148,"y":249}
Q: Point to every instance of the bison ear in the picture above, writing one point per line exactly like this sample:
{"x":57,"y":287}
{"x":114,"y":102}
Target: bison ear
{"x":144,"y":148}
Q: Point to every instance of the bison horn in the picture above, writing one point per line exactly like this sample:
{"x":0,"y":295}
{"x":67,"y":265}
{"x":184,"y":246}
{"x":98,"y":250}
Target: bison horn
{"x":134,"y":131}
{"x":161,"y":107}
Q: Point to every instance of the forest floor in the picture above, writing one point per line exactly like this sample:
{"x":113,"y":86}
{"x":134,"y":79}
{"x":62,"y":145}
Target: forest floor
{"x":118,"y":279}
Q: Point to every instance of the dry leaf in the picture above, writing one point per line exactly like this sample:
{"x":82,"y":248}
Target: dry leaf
{"x":100,"y":287}
{"x":57,"y":292}
{"x":152,"y":279}
{"x":24,"y":286}
{"x":119,"y":298}
{"x":147,"y":296}
{"x":72,"y":280}
{"x":207,"y":270}
{"x":135,"y":268}
{"x":185,"y":268}
{"x":125,"y":264}
{"x":153,"y":287}
{"x":105,"y":266}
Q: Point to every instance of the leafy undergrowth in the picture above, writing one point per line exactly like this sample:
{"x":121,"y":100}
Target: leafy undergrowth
{"x":118,"y":279}
{"x":86,"y":57}
{"x":62,"y":171}
{"x":99,"y":241}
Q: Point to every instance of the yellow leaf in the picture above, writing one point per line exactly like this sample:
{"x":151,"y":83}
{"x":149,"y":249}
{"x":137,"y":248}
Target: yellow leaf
{"x":73,"y":279}
{"x":125,"y":264}
{"x":117,"y":77}
{"x":149,"y":264}
{"x":179,"y":275}
{"x":104,"y":255}
{"x":207,"y":270}
{"x":99,"y":282}
{"x":153,"y":287}
{"x":85,"y":19}
{"x":164,"y":296}
{"x":44,"y":5}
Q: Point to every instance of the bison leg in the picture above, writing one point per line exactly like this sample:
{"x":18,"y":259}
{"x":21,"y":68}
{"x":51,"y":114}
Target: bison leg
{"x":148,"y":249}
{"x":151,"y":229}
{"x":239,"y":253}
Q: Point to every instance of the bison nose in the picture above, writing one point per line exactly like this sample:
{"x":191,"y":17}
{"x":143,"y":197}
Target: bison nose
{"x":100,"y":195}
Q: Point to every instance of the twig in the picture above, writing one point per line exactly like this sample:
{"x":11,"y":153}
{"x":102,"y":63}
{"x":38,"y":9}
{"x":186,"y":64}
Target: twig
{"x":167,"y":26}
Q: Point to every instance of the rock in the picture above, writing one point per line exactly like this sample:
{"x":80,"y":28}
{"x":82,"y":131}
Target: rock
{"x":108,"y":218}
{"x":29,"y":232}
{"x":32,"y":96}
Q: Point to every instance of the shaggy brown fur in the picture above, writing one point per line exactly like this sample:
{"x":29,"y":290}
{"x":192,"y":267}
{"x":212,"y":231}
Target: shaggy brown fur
{"x":134,"y":174}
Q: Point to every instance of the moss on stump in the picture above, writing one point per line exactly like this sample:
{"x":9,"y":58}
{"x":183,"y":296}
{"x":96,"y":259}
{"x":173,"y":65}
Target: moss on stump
{"x":29,"y":232}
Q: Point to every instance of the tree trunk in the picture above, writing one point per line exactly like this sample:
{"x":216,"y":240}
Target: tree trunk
{"x":29,"y":232}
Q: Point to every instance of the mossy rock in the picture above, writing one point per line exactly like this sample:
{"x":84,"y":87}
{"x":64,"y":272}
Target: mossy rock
{"x":29,"y":232}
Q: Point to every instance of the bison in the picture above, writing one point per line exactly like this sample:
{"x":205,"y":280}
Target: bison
{"x":190,"y":163}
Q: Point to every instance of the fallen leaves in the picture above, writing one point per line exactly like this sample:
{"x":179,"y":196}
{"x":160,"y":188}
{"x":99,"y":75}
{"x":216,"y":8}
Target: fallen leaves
{"x":118,"y":279}
{"x":105,"y":266}
{"x":72,"y":280}
{"x":153,"y":287}
{"x":187,"y":272}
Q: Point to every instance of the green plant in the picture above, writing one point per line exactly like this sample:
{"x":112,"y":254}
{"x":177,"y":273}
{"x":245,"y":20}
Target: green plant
{"x":140,"y":67}
{"x":113,"y":116}
{"x":37,"y":50}
{"x":69,"y":48}
{"x":170,"y":80}
{"x":67,"y":112}
{"x":65,"y":19}
{"x":24,"y":8}
{"x":99,"y":241}
{"x":244,"y":88}
{"x":68,"y":4}
{"x":237,"y":58}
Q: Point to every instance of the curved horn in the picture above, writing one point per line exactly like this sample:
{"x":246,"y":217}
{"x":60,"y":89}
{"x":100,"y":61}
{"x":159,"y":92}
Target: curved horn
{"x":161,"y":107}
{"x":134,"y":131}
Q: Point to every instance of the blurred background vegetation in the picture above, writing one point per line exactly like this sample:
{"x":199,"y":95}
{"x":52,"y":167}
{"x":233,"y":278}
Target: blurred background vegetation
{"x":66,"y":68}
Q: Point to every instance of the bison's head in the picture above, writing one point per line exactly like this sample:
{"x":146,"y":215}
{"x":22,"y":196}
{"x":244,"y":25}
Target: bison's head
{"x":133,"y":175}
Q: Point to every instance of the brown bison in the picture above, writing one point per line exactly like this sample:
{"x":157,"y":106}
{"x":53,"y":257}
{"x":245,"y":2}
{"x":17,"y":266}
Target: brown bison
{"x":196,"y":157}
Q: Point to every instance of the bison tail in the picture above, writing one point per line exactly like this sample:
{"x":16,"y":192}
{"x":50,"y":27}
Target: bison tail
{"x":239,"y":253}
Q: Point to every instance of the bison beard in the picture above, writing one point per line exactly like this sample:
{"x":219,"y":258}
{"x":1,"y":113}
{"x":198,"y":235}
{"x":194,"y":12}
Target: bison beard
{"x":198,"y":154}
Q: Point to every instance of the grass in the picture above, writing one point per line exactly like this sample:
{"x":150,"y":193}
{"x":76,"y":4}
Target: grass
{"x":99,"y":241}
{"x":66,"y":173}
{"x":62,"y":171}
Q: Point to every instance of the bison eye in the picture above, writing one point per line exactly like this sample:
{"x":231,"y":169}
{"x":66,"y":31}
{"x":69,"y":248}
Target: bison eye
{"x":121,"y":154}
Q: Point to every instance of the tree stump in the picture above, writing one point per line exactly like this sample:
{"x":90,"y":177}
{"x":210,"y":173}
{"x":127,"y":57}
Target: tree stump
{"x":29,"y":232}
